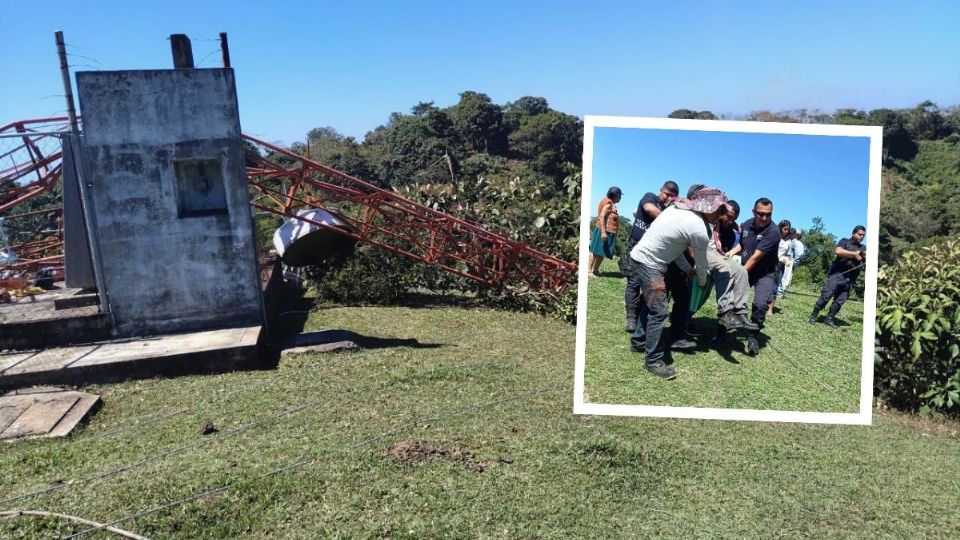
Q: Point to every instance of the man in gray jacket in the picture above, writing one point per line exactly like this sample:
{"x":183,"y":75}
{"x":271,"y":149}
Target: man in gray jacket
{"x":679,"y":227}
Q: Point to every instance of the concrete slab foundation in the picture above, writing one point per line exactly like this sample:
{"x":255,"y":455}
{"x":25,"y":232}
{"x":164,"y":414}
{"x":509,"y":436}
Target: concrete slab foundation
{"x":211,"y":351}
{"x":34,"y":322}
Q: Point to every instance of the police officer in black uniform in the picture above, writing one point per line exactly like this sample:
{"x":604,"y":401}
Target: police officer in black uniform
{"x":842,"y":275}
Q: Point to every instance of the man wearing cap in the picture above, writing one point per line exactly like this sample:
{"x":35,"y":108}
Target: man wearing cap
{"x":649,"y":208}
{"x":677,"y":228}
{"x":843,"y":273}
{"x":761,"y":241}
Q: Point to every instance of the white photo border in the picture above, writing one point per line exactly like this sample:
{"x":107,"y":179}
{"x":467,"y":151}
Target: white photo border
{"x":865,"y":414}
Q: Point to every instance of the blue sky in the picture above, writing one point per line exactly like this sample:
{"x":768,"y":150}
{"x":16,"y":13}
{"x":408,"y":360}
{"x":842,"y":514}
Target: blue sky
{"x":349,"y":65}
{"x":805,"y":176}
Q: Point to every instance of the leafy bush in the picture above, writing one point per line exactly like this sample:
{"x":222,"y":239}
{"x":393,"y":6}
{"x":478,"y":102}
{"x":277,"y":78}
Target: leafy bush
{"x":918,"y":331}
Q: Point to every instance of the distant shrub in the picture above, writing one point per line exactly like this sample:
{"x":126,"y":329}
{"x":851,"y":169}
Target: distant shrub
{"x":918,"y":331}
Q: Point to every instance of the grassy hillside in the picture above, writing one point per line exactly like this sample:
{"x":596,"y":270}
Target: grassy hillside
{"x":802,"y":367}
{"x":487,"y":394}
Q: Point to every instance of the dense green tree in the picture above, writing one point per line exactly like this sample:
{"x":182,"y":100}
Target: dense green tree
{"x":478,"y":121}
{"x":551,"y":141}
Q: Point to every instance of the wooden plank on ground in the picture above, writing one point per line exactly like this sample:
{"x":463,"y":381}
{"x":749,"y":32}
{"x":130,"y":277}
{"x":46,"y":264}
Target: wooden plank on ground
{"x":74,"y":416}
{"x":10,"y":410}
{"x":40,"y":418}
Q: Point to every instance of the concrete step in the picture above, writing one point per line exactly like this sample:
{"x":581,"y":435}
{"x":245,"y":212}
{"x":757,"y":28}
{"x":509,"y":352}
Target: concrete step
{"x":211,"y":351}
{"x":57,"y":317}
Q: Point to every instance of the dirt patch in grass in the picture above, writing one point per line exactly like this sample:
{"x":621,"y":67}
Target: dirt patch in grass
{"x":938,"y":426}
{"x":418,"y":451}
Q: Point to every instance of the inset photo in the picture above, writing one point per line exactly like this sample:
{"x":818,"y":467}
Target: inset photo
{"x":728,"y":270}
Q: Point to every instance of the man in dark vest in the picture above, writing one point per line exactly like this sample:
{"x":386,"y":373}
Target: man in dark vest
{"x":649,"y":208}
{"x":843,"y":273}
{"x":760,"y":240}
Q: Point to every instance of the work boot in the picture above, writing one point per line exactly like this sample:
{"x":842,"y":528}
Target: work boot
{"x":631,"y":326}
{"x":729,"y":320}
{"x":733,"y":320}
{"x":683,"y":345}
{"x":661,"y":370}
{"x":753,"y":346}
{"x":747,"y":323}
{"x":830,"y":322}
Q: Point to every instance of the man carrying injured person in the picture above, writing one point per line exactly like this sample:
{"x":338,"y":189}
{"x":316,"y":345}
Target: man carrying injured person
{"x":729,"y":277}
{"x":677,"y":228}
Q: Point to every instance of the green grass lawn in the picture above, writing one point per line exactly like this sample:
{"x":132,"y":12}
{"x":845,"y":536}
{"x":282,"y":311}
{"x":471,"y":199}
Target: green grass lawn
{"x":494,"y":389}
{"x":801,"y":367}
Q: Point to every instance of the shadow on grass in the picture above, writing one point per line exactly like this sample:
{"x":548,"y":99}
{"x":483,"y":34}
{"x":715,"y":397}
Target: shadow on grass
{"x":414,"y":300}
{"x":370,"y":342}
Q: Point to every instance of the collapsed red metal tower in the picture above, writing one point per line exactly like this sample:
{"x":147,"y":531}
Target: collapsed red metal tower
{"x":373,"y":215}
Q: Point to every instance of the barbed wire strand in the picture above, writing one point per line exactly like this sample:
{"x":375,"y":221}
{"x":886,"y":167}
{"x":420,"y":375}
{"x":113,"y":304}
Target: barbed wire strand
{"x":830,"y":390}
{"x":17,"y":513}
{"x":195,"y":444}
{"x":144,"y":420}
{"x":155,"y":457}
{"x":304,"y":461}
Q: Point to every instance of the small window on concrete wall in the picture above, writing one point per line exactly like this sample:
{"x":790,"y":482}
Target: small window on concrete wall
{"x":200,"y":189}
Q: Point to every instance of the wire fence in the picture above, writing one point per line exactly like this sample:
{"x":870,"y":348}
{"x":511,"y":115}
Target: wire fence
{"x":205,"y":440}
{"x":470,"y":410}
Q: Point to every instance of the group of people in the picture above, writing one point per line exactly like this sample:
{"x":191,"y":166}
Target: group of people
{"x":677,"y":246}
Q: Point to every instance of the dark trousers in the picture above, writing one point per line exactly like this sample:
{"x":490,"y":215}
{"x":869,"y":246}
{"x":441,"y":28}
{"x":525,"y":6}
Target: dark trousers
{"x":649,"y":335}
{"x":632,"y":294}
{"x":764,"y":292}
{"x":679,"y":289}
{"x":837,"y":287}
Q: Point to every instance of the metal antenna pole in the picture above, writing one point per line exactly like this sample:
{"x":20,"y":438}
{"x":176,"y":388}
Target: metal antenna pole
{"x":67,"y":87}
{"x":225,"y":49}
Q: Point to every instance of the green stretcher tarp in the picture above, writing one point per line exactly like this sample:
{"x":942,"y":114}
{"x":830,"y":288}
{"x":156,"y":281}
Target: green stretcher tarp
{"x":698,"y":294}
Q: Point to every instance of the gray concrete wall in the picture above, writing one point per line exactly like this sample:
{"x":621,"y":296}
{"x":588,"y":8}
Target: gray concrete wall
{"x":76,"y":249}
{"x":164,"y":272}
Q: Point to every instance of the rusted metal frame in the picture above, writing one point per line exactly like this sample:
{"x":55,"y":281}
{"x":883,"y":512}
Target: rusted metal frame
{"x":58,"y":210}
{"x":506,"y":261}
{"x":33,"y":151}
{"x":48,"y":120}
{"x":34,"y":263}
{"x":37,"y":188}
{"x":373,"y":229}
{"x":15,"y":173}
{"x":388,"y":195}
{"x":267,"y":194}
{"x":371,"y":241}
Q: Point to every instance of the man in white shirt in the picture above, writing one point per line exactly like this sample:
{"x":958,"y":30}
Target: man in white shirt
{"x":797,"y":249}
{"x":679,"y":227}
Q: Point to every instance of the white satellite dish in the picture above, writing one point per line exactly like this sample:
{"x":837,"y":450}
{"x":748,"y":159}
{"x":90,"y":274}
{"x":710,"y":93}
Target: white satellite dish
{"x":303,"y":243}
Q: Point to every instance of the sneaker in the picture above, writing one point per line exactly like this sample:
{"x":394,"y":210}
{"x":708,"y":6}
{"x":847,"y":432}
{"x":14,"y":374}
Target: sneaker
{"x":631,"y":326}
{"x":812,"y":319}
{"x":683,"y":345}
{"x":661,"y":370}
{"x":830,"y":322}
{"x":753,"y":346}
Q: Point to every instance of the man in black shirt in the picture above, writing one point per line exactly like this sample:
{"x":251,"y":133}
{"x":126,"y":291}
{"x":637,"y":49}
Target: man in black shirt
{"x":760,"y":240}
{"x":649,"y":208}
{"x":842,"y":275}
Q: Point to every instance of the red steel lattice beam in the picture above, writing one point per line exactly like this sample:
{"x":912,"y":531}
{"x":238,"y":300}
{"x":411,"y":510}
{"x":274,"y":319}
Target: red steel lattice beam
{"x":383,"y":218}
{"x":374,"y":215}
